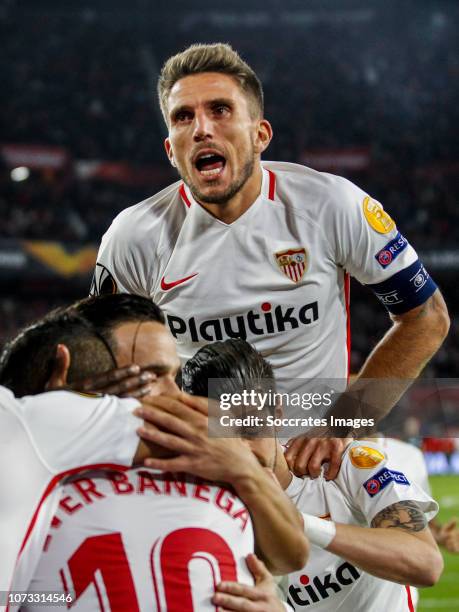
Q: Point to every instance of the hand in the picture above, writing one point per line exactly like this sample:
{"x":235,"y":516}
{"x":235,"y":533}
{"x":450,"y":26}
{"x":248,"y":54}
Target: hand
{"x":180,"y":424}
{"x":448,"y":536}
{"x":305,"y":456}
{"x":262,"y":597}
{"x":129,"y":381}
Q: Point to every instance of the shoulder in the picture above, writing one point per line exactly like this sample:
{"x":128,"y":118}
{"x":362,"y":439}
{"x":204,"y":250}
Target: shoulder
{"x":360,"y":460}
{"x":66,"y":414}
{"x":295,"y":179}
{"x":136,"y":221}
{"x":61,"y":403}
{"x":409,"y":456}
{"x":401,"y":449}
{"x":7,"y":398}
{"x":66,"y":401}
{"x":9,"y":410}
{"x":320,"y":198}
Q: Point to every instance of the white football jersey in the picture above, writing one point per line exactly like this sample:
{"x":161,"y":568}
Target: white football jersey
{"x":144,"y":540}
{"x":277,"y":276}
{"x":412,"y":459}
{"x":42,"y":439}
{"x":367,"y":483}
{"x":414,"y":466}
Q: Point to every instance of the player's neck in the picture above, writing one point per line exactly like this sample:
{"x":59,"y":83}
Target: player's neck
{"x":241,"y":202}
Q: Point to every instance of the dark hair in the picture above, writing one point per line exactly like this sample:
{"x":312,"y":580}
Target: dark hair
{"x":234,"y":362}
{"x":26,"y":363}
{"x":105,"y":312}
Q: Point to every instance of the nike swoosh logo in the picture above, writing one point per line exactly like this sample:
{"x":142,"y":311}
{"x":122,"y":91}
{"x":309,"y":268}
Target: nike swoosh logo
{"x":165,"y":286}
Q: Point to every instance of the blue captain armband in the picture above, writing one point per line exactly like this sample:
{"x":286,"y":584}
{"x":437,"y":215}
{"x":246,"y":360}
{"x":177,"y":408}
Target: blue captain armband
{"x":405,"y":290}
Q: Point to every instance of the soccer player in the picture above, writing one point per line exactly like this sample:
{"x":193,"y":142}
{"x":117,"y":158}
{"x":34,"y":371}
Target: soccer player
{"x":263,"y":251}
{"x":103,"y":545}
{"x":45,"y":438}
{"x":368,"y":528}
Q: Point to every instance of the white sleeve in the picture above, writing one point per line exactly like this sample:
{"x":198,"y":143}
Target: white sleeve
{"x":364,"y":238}
{"x":422,"y":476}
{"x":372,"y":482}
{"x":70,"y":430}
{"x":121,"y":264}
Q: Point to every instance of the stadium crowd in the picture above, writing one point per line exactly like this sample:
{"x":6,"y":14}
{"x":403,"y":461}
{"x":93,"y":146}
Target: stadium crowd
{"x":82,"y":89}
{"x":90,"y":90}
{"x":84,"y":81}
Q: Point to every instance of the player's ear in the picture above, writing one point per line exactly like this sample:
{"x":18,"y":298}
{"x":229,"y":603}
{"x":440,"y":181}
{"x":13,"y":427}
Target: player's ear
{"x":61,"y":367}
{"x":170,"y":154}
{"x":263,"y":135}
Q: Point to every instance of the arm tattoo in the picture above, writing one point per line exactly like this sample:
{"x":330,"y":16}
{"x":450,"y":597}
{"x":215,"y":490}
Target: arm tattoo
{"x":405,"y":515}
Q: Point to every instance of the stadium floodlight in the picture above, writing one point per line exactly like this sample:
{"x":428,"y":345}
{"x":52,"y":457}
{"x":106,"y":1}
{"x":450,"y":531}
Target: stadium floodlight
{"x":21,"y":173}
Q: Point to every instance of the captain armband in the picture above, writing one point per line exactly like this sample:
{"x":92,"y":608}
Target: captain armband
{"x":406,"y":289}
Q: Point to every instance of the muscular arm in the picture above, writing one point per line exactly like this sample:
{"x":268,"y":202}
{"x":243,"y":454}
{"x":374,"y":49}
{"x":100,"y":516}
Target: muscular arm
{"x":180,"y":425}
{"x":276,"y":522}
{"x":398,"y":546}
{"x":413,"y":339}
{"x":394,"y":363}
{"x":401,"y":354}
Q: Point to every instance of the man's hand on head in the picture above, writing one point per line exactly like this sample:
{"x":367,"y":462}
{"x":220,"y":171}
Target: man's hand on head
{"x":129,"y":381}
{"x":305,"y":456}
{"x":179,"y":423}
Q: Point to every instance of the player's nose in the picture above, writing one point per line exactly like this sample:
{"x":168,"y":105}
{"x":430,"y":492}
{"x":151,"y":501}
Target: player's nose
{"x":203,"y":126}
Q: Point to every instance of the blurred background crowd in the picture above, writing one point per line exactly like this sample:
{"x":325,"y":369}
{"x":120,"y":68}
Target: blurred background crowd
{"x":361,"y":89}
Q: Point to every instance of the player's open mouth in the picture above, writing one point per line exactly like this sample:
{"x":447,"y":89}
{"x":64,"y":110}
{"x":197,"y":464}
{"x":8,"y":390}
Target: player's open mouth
{"x":209,"y":164}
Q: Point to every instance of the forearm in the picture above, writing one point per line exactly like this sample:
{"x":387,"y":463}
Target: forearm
{"x":400,"y":356}
{"x":412,"y":340}
{"x":390,"y":554}
{"x":279,"y":536}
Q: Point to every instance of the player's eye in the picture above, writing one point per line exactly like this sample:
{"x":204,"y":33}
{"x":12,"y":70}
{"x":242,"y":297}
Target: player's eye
{"x":221,"y":109}
{"x":182,"y":116}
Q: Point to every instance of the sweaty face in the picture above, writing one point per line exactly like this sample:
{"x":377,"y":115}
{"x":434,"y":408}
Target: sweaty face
{"x":150,"y":345}
{"x":211,"y":136}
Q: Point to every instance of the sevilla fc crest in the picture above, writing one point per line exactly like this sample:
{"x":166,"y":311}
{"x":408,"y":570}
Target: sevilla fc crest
{"x":293,"y":263}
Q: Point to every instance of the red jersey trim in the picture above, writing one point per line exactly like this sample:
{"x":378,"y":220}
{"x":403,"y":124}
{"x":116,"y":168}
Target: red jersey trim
{"x":184,"y":196}
{"x":271,"y":189}
{"x":347,"y":300}
{"x":410,"y":600}
{"x":272,"y":185}
{"x":51,"y":486}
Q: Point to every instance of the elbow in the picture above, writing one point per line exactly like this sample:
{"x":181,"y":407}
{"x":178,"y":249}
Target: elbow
{"x":431,"y":570}
{"x":445,"y":325}
{"x":293,"y":562}
{"x":302,"y":554}
{"x":440,"y":321}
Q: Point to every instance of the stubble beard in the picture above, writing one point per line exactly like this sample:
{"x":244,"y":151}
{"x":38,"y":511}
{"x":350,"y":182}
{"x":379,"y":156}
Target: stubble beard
{"x":233,"y":189}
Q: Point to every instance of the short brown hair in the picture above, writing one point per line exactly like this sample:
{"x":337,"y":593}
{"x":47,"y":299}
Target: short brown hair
{"x":217,"y":57}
